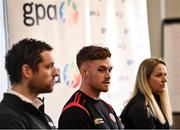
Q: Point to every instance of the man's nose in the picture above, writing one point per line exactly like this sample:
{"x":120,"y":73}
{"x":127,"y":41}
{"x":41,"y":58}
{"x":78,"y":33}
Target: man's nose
{"x":108,"y":74}
{"x":57,"y":75}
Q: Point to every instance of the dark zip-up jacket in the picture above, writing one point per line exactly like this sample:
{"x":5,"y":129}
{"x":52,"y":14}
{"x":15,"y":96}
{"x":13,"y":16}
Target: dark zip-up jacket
{"x":17,"y":114}
{"x":137,"y":114}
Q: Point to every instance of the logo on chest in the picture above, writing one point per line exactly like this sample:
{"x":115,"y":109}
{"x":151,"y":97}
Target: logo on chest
{"x":112,"y":117}
{"x":98,"y":121}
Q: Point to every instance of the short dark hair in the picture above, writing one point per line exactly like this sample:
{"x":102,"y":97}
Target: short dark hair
{"x":92,"y":53}
{"x":26,"y":51}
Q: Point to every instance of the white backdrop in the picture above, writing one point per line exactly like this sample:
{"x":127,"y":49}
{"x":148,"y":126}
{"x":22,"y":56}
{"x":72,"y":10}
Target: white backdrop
{"x":68,"y":25}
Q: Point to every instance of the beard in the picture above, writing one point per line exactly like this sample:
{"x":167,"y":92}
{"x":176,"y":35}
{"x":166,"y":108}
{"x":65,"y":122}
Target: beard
{"x":38,"y":88}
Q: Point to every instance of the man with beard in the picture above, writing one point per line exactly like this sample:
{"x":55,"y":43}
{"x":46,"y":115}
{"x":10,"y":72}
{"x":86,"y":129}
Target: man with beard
{"x":31,"y":71}
{"x":85,"y":109}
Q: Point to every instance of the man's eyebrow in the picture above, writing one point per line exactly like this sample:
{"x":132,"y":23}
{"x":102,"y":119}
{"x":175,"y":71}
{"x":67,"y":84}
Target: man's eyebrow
{"x":105,"y":67}
{"x":102,"y":66}
{"x":50,"y":64}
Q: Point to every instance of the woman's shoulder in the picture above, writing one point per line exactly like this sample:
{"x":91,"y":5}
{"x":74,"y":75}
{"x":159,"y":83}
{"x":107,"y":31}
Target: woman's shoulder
{"x":137,"y":100}
{"x":136,"y":106}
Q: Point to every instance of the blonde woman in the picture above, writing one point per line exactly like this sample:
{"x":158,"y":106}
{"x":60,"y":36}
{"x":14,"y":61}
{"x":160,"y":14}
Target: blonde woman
{"x":149,"y":106}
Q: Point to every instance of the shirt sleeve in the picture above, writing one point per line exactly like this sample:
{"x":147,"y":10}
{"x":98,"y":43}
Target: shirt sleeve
{"x":74,"y":118}
{"x":119,"y":124}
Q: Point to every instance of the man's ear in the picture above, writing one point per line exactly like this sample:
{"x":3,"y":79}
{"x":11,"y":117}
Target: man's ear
{"x":83,"y":72}
{"x":26,"y":71}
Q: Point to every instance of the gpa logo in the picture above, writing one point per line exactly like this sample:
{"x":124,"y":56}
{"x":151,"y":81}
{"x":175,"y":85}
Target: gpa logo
{"x":68,"y":12}
{"x":35,"y":13}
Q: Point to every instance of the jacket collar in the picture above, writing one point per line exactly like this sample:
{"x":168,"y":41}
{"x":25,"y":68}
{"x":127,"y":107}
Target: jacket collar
{"x":37,"y":102}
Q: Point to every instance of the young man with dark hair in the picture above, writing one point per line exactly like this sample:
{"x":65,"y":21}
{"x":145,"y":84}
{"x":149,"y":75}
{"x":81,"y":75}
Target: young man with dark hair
{"x":31,"y":71}
{"x":85,"y":109}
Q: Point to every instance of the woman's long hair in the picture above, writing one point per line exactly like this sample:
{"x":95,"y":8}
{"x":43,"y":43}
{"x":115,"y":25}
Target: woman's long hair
{"x":142,"y":85}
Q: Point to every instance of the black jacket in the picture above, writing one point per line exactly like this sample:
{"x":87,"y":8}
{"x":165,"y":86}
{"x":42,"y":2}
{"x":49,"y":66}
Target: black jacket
{"x":17,"y":114}
{"x":138,"y":115}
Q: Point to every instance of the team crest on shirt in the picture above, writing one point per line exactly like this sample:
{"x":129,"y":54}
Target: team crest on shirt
{"x":98,"y":121}
{"x":112,"y":117}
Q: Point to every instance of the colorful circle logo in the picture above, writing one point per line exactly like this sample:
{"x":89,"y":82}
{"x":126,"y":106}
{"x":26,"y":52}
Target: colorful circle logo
{"x":71,"y":76}
{"x":68,"y":12}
